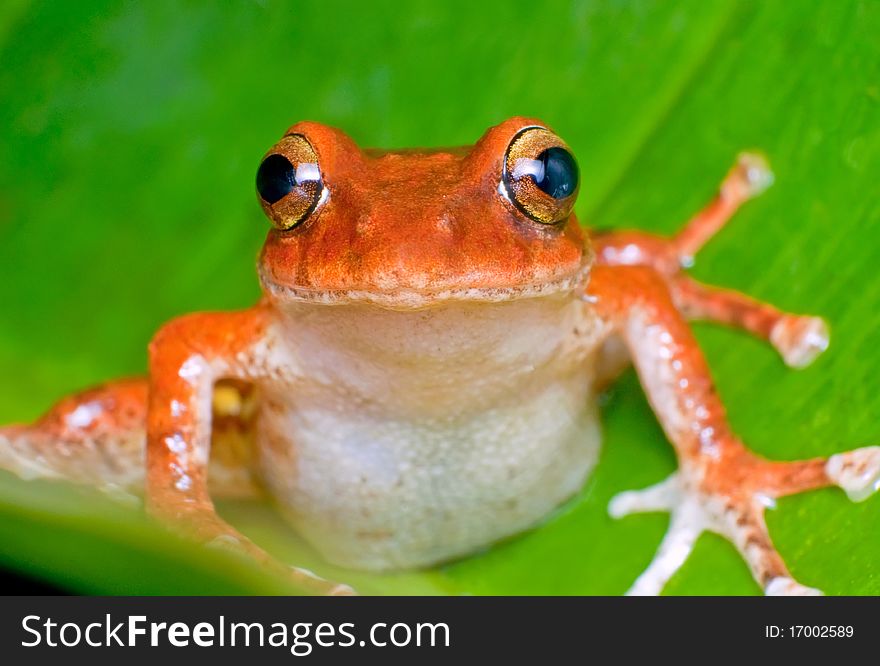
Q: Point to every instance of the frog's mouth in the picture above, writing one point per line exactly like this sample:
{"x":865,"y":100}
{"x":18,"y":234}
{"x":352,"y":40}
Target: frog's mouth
{"x":411,"y":298}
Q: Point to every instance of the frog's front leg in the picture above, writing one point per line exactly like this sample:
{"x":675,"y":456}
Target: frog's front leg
{"x":720,"y":485}
{"x":187,"y":357}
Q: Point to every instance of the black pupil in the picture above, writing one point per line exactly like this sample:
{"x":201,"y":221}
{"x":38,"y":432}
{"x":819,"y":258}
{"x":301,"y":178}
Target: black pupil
{"x":560,"y":173}
{"x":275,"y":178}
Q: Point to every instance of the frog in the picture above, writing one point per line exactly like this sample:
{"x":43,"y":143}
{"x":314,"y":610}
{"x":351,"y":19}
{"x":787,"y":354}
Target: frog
{"x":420,"y":378}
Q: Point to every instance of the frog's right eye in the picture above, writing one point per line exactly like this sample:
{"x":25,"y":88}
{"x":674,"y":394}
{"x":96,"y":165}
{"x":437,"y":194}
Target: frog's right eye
{"x":289,"y":182}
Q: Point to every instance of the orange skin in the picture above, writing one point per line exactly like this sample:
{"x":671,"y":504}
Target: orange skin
{"x":433,"y":245}
{"x":409,"y":229}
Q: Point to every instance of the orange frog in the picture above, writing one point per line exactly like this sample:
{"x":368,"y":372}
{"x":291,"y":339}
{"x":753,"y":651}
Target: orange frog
{"x":420,"y":377}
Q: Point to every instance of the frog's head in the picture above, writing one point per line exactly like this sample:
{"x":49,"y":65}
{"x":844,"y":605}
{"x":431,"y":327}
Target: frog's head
{"x":411,"y":228}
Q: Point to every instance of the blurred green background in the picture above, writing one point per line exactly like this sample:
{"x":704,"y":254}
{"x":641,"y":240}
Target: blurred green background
{"x":129,"y":138}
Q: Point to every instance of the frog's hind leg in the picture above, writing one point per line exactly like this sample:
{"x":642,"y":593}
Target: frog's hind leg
{"x":749,"y":177}
{"x":799,"y":339}
{"x":97,"y":437}
{"x":720,"y":485}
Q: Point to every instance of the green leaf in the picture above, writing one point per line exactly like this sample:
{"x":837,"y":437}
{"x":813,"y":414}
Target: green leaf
{"x":130,"y":133}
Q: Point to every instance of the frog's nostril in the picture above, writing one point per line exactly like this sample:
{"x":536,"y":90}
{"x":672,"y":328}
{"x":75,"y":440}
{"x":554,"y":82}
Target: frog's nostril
{"x":445,"y":224}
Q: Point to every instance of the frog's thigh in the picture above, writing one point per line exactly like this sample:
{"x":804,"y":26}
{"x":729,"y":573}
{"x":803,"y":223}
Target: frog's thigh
{"x":232,"y":464}
{"x":96,"y":437}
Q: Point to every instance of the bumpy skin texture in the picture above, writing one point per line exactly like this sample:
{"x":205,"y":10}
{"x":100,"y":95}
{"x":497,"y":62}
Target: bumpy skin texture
{"x":407,"y":229}
{"x":419,"y":379}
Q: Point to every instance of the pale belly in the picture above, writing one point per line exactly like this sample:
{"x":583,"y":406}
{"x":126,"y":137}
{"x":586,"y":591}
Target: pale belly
{"x":406,"y":464}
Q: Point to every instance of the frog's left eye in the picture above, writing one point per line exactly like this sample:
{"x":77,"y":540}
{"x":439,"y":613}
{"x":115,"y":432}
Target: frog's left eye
{"x":540,"y":175}
{"x":289,"y":182}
